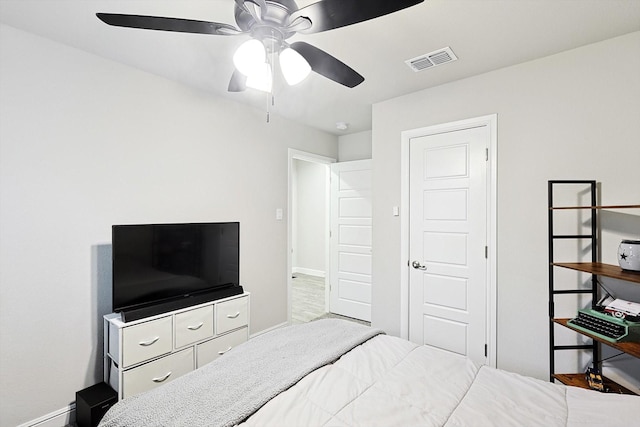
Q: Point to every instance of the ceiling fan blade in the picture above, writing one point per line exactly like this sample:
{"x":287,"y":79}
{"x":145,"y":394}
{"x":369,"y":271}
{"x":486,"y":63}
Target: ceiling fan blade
{"x":329,"y":14}
{"x":238,"y":82}
{"x":330,"y":67}
{"x":168,"y":24}
{"x":298,"y":24}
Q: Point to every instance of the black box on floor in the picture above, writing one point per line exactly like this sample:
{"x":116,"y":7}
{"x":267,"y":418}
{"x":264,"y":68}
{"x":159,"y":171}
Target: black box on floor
{"x":92,"y":403}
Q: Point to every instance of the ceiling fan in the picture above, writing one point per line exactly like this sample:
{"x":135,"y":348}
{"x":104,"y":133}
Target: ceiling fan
{"x":270,"y":23}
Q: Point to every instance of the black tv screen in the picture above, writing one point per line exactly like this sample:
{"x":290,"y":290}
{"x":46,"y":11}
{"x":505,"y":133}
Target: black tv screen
{"x":161,"y":263}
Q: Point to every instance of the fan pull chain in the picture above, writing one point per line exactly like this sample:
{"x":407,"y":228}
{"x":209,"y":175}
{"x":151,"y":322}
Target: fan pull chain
{"x":273,"y":103}
{"x":273,"y":73}
{"x":268,"y":109}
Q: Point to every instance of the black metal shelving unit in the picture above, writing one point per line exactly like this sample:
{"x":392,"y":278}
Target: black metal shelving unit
{"x":592,"y":239}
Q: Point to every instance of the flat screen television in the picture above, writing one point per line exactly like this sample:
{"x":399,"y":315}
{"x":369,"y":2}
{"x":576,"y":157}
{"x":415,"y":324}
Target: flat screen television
{"x":164,"y":267}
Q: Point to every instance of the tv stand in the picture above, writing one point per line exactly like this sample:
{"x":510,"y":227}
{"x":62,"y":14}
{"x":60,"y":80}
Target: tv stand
{"x":142,"y":312}
{"x":145,"y":353}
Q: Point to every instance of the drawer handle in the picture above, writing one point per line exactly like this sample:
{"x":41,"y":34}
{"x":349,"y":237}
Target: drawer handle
{"x":161,"y":379}
{"x":148,"y":343}
{"x":195,"y":328}
{"x":233,"y":316}
{"x":224,"y":351}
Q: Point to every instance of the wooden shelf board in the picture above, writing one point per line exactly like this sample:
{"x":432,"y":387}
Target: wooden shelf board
{"x":579,"y":380}
{"x":631,"y":348}
{"x":596,"y":207}
{"x":601,"y":269}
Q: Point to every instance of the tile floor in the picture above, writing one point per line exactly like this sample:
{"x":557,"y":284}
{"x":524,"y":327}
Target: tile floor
{"x":308,"y":300}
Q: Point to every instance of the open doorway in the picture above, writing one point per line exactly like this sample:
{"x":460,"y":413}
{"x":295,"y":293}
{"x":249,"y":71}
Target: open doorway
{"x":308,"y":243}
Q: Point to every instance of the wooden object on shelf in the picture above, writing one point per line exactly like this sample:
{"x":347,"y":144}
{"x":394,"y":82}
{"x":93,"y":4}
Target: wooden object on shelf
{"x":631,"y":348}
{"x":579,"y":380}
{"x":606,"y":270}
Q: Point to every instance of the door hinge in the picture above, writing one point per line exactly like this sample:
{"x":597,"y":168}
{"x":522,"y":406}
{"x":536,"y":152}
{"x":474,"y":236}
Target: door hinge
{"x":486,"y":350}
{"x":486,"y":252}
{"x":486,"y":154}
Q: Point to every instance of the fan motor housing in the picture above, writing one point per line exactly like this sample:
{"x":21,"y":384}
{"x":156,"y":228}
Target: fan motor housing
{"x":277,"y":14}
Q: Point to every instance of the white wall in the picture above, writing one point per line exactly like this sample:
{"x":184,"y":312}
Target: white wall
{"x":310,"y":212}
{"x":575,"y":115}
{"x":355,"y":146}
{"x":86,"y":143}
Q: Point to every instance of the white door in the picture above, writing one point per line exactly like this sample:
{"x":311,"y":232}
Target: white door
{"x":448,"y":238}
{"x":350,"y":241}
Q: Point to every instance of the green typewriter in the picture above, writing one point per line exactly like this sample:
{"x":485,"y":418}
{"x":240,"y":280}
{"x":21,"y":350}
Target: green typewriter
{"x":606,"y":326}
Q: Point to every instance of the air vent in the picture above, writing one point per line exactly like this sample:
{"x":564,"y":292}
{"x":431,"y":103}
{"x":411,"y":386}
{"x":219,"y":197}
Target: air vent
{"x":432,"y":59}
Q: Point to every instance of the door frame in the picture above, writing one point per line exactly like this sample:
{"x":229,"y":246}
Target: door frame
{"x":492,"y":297}
{"x":294,"y":154}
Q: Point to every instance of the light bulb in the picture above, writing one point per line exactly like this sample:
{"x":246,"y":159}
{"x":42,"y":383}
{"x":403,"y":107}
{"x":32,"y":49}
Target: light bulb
{"x":294,"y":67}
{"x":260,"y":78}
{"x":250,"y":54}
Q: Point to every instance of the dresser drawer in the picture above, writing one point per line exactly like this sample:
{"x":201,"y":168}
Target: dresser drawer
{"x":156,"y":373}
{"x":193,"y":326}
{"x":210,"y":350}
{"x":146,"y":341}
{"x":232,"y":314}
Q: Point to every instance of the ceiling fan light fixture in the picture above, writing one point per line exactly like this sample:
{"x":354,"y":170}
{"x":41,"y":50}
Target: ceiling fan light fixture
{"x":249,"y":56}
{"x":294,"y":67}
{"x":261,"y":78}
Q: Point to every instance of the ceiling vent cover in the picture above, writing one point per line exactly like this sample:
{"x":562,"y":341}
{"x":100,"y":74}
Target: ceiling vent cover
{"x":432,"y":59}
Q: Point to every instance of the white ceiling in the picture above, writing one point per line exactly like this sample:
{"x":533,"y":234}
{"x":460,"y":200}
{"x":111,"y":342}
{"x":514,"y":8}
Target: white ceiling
{"x":484,"y":34}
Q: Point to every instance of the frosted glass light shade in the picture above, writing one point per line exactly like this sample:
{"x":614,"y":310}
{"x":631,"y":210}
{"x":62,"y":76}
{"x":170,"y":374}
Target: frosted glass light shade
{"x":294,"y":67}
{"x":249,"y":55}
{"x":261,"y":78}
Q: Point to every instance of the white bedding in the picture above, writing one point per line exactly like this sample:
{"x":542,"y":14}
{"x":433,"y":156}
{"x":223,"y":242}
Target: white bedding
{"x":338,"y":373}
{"x":388,"y":381}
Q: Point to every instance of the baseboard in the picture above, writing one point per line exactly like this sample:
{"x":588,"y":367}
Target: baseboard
{"x":309,"y":271}
{"x":264,"y":331}
{"x":60,"y":418}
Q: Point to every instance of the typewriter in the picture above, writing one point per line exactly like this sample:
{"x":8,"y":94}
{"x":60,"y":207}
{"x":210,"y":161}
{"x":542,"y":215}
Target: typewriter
{"x":611,"y":324}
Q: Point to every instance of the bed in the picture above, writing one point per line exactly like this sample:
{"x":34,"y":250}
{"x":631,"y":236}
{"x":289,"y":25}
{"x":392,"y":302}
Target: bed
{"x":338,"y":373}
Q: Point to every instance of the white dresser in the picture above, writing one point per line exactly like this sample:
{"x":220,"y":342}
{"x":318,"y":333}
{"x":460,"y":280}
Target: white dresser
{"x":147,"y":353}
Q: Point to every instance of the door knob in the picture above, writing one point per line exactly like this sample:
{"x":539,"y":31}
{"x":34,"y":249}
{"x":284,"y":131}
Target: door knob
{"x":418,"y":266}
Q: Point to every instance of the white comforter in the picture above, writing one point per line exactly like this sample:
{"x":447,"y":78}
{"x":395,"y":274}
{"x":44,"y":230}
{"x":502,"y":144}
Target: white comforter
{"x":388,"y":381}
